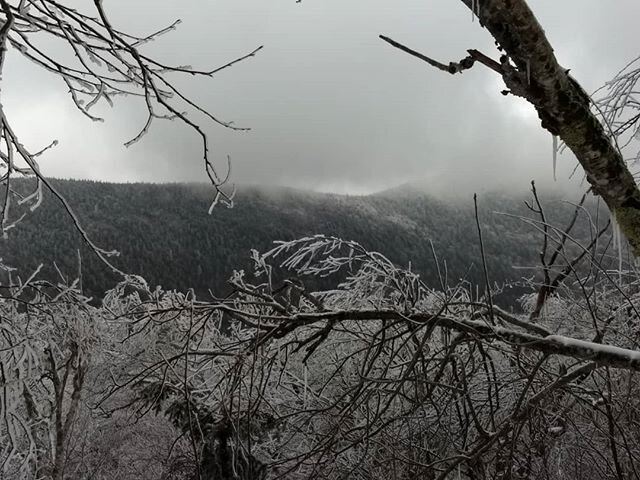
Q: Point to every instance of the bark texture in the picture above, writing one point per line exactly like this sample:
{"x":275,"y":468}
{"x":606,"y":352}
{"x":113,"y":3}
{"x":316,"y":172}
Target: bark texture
{"x":530,"y":70}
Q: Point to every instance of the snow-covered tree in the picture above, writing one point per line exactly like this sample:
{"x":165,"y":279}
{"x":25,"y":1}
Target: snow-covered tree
{"x":48,"y":335}
{"x":379,"y":375}
{"x":382,"y":376}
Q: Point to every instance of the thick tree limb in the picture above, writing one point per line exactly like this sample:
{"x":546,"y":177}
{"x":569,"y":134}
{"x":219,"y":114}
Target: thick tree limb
{"x":603,"y":355}
{"x":531,"y":70}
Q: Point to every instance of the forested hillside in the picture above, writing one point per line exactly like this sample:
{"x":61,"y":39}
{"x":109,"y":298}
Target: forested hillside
{"x":163,"y":232}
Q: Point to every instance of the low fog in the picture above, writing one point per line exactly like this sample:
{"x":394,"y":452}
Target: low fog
{"x":331,"y":107}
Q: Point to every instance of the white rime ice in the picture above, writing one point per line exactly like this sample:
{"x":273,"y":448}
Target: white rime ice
{"x":555,"y":155}
{"x":475,"y":9}
{"x":617,"y":242}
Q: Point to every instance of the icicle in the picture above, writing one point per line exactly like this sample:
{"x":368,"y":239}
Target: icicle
{"x":475,"y":10}
{"x":555,"y":155}
{"x":617,"y":243}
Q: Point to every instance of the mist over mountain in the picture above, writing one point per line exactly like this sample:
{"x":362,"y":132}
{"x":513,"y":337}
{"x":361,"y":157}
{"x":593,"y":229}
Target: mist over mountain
{"x":163,"y":232}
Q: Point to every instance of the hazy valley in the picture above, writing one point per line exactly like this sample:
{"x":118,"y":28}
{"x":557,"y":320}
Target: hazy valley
{"x":163,"y":233}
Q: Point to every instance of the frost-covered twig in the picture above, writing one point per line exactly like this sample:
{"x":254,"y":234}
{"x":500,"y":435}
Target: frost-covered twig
{"x":107,"y":63}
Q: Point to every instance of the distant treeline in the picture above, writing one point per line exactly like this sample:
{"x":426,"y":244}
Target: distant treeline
{"x":163,"y":233}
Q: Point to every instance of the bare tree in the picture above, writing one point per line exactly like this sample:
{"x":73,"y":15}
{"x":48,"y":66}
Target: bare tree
{"x":529,"y":69}
{"x":379,"y":376}
{"x":105,"y":63}
{"x":48,"y":333}
{"x":382,"y":376}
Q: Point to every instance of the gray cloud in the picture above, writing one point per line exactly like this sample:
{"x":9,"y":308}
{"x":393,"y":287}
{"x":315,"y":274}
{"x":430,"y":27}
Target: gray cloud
{"x":331,"y":106}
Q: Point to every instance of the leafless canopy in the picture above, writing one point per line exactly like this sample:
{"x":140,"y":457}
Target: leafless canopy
{"x":97,"y":63}
{"x":378,"y":376}
{"x":384,"y":377}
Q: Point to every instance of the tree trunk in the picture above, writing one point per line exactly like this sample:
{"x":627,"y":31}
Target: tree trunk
{"x":530,"y":70}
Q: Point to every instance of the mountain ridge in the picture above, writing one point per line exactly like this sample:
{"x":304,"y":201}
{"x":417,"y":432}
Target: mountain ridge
{"x":164,"y":233}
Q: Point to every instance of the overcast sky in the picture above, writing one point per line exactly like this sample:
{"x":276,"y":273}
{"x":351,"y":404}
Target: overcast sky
{"x":331,"y":106}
